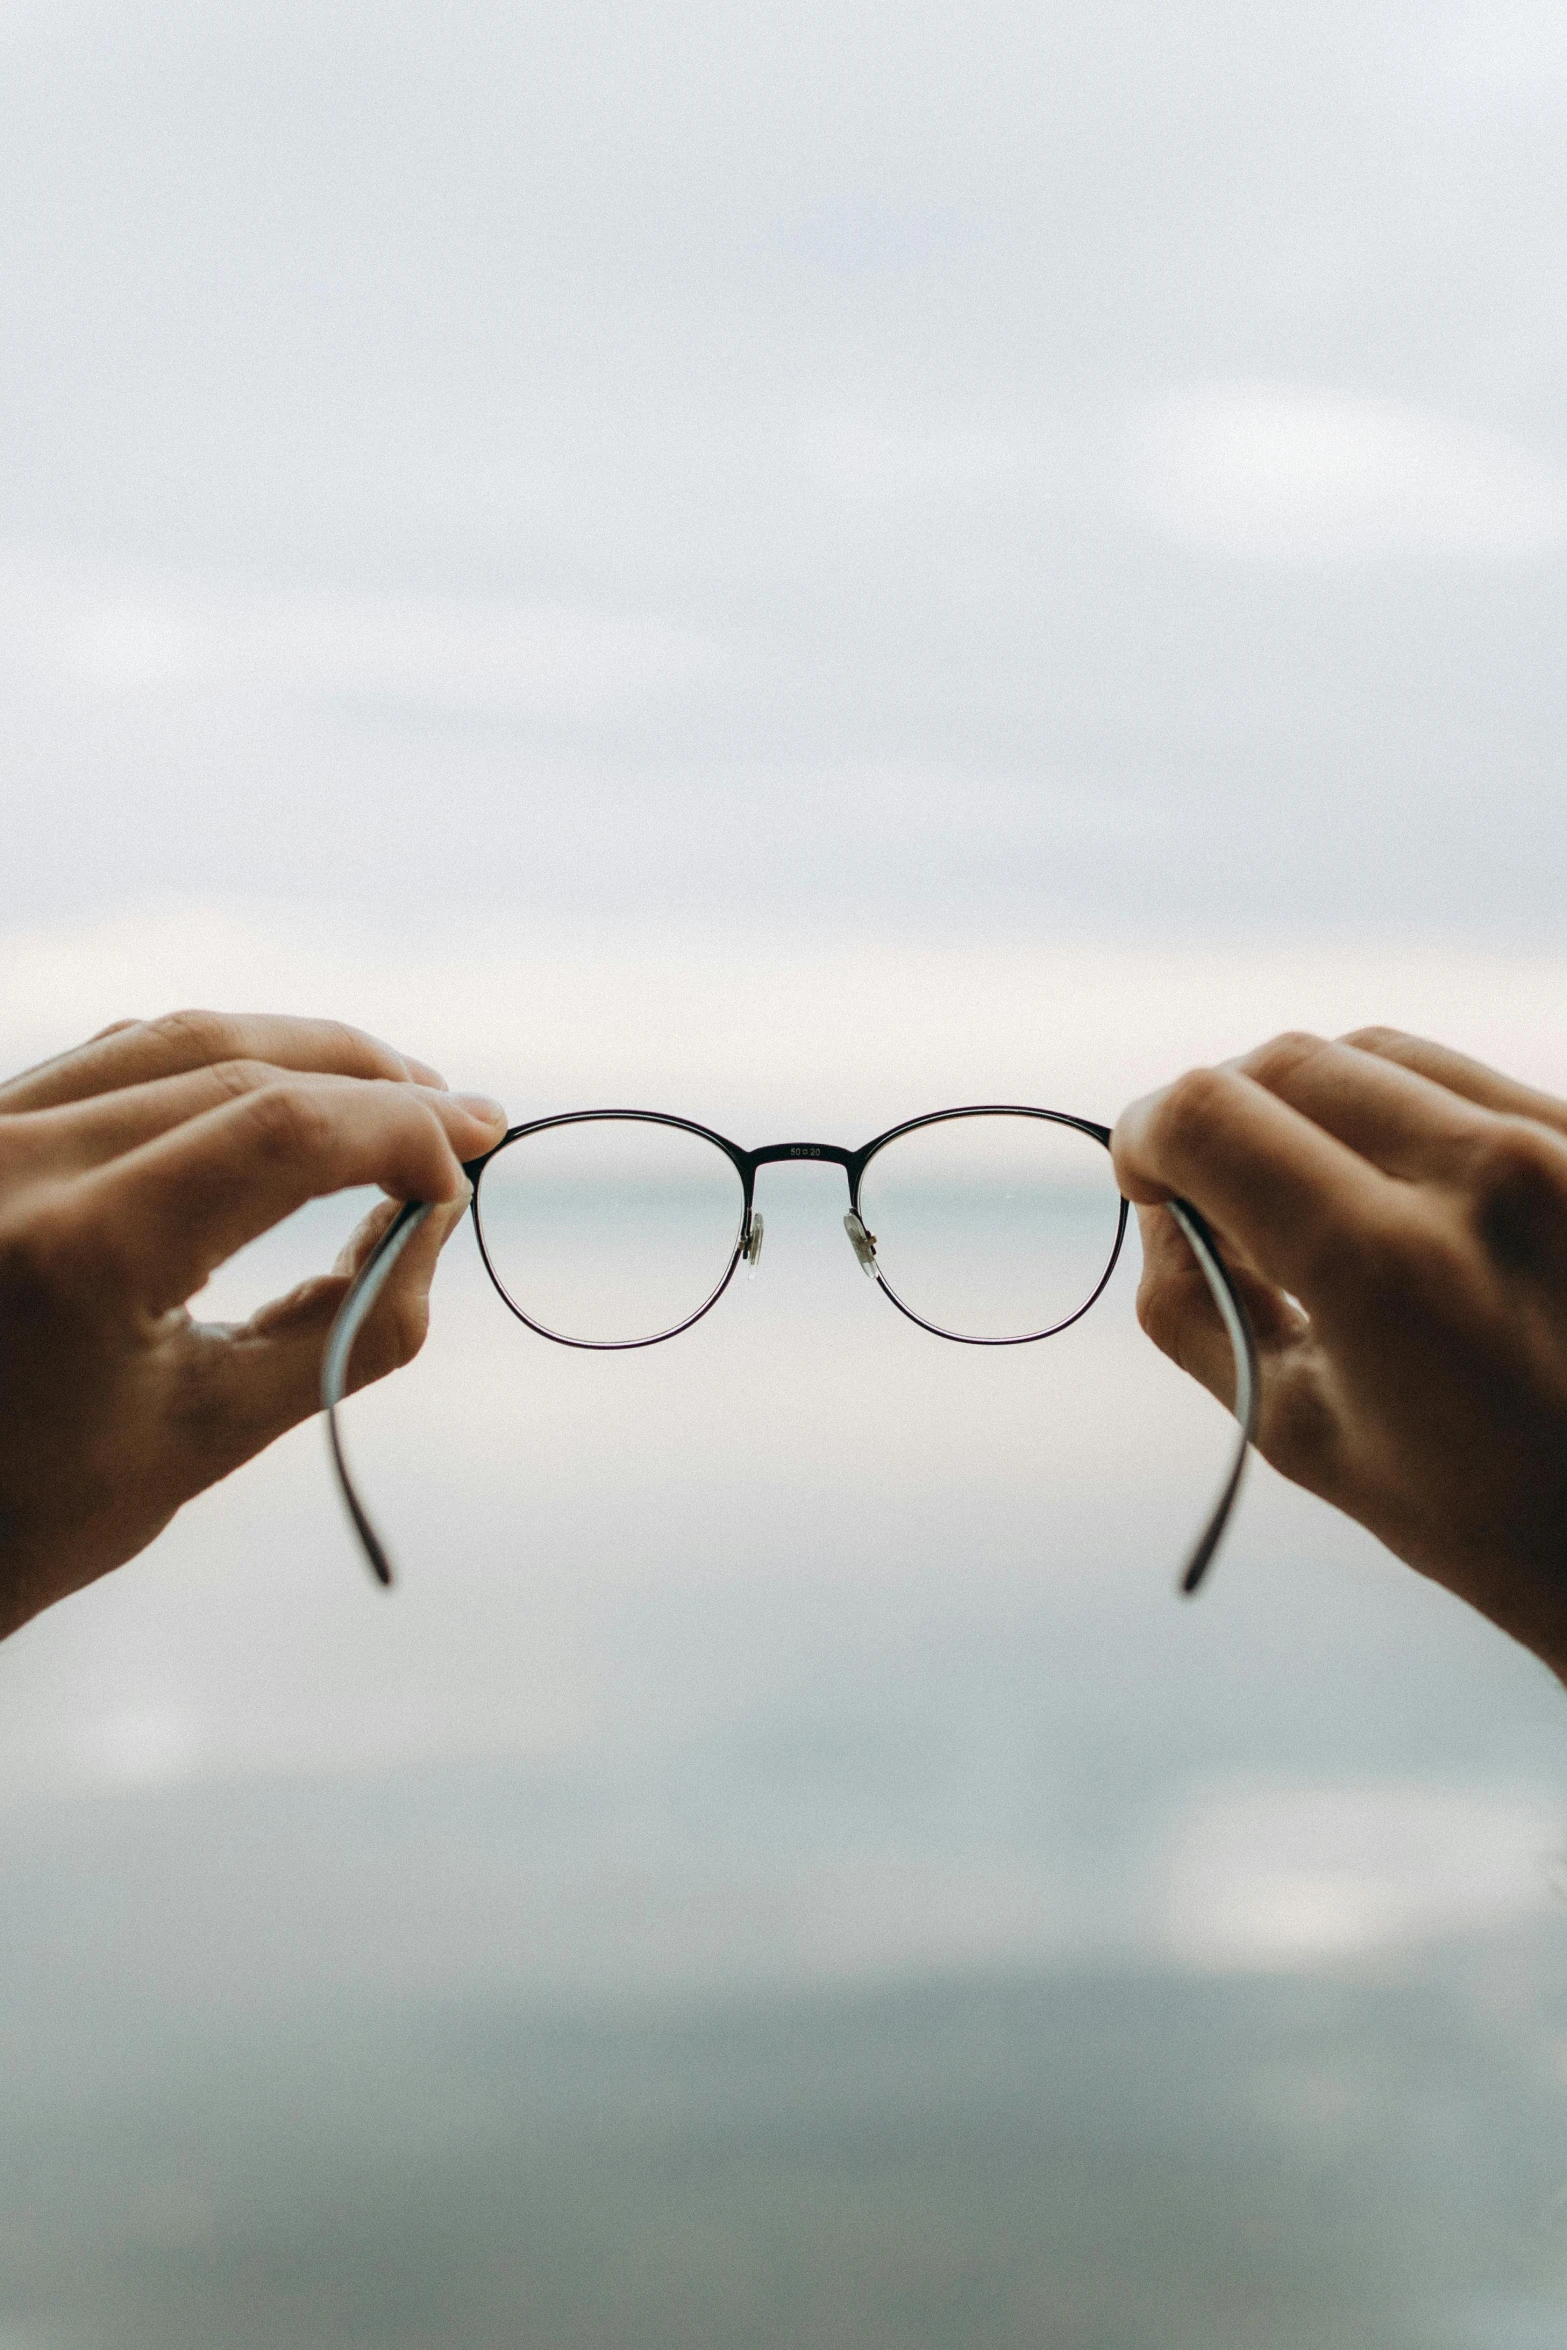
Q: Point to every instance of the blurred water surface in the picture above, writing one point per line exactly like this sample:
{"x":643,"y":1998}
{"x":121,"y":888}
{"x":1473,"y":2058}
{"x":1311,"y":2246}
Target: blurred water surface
{"x":783,"y":1866}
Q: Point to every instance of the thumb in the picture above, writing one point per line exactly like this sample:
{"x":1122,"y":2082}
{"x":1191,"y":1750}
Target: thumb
{"x":272,"y":1363}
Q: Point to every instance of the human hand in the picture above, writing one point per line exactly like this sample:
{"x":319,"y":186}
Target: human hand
{"x":1395,"y":1216}
{"x":129,"y":1170}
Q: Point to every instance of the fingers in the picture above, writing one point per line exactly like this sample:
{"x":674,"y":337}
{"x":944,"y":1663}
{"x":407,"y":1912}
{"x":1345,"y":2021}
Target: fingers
{"x":165,"y":1215}
{"x":79,"y":1135}
{"x":1510,"y":1168}
{"x":1471,"y":1080}
{"x":268,"y":1371}
{"x":1176,"y":1308}
{"x":1393,"y":1115}
{"x":367,"y":1232}
{"x":1298,"y":1202}
{"x":295,"y":1328}
{"x":140,"y":1052}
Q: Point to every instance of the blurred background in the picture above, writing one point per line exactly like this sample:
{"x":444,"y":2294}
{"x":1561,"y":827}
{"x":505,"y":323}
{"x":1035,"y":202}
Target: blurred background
{"x":795,"y":567}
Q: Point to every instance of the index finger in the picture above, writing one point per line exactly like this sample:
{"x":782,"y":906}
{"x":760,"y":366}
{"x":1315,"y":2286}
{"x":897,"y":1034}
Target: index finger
{"x":158,"y":1221}
{"x":137,"y":1052}
{"x":1289,"y":1194}
{"x":1471,"y":1080}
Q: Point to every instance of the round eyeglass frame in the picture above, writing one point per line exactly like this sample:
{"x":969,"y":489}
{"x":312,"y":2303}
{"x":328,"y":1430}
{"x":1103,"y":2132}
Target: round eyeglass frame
{"x":371,"y":1276}
{"x":746,"y":1164}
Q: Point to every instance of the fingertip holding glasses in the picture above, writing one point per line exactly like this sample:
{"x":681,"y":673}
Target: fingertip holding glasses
{"x":991,"y":1225}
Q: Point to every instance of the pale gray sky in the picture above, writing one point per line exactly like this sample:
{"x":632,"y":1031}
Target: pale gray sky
{"x":946,"y":471}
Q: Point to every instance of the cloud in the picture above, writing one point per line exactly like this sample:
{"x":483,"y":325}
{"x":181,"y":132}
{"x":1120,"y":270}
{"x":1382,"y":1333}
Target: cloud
{"x":114,"y":635}
{"x":1273,"y":1875}
{"x":1299,"y":474}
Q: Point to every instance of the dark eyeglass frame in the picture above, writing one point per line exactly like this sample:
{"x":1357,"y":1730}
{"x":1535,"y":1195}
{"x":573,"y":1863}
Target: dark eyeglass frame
{"x":367,"y":1283}
{"x":745,"y":1164}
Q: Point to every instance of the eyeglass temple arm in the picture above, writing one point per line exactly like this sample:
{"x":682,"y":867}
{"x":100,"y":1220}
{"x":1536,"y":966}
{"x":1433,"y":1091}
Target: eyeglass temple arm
{"x":1248,"y":1382}
{"x":367,"y":1284}
{"x":358,"y":1300}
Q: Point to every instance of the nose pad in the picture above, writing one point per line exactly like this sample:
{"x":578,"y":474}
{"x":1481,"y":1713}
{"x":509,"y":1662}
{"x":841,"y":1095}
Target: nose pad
{"x":862,"y":1242}
{"x":752,"y":1251}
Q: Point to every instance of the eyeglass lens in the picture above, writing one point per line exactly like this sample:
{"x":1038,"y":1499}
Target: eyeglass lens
{"x":1000,"y":1226}
{"x":610,"y":1231}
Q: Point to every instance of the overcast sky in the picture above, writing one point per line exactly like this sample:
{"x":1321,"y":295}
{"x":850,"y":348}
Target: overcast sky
{"x":971,"y":472}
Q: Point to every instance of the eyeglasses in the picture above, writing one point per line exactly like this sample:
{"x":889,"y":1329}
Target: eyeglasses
{"x":993,"y":1225}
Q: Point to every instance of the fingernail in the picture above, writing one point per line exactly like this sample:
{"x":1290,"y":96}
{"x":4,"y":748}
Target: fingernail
{"x":479,"y":1105}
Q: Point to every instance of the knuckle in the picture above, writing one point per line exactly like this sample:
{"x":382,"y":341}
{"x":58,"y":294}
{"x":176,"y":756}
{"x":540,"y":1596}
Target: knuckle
{"x":432,"y":1128}
{"x":29,"y":1271}
{"x":194,"y":1034}
{"x":1515,"y":1151}
{"x":359,"y":1053}
{"x":338,"y":1048}
{"x":1386,"y":1042}
{"x":1277,"y":1060}
{"x":233,"y":1079}
{"x":1299,"y":1433}
{"x":288,"y":1123}
{"x":48,"y":1263}
{"x":1190,"y":1107}
{"x":1517,"y":1185}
